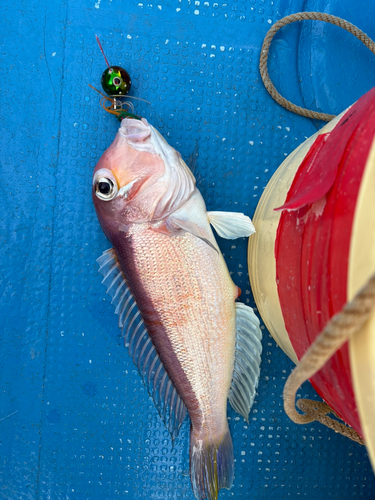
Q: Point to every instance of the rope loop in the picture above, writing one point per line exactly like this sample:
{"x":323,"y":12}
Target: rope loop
{"x":304,"y":16}
{"x":317,"y":411}
{"x":339,"y":330}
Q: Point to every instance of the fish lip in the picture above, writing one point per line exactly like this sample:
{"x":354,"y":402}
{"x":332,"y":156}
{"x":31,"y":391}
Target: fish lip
{"x":135,"y":130}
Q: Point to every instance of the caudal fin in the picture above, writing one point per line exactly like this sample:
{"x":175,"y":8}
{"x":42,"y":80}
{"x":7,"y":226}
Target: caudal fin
{"x":211,"y":464}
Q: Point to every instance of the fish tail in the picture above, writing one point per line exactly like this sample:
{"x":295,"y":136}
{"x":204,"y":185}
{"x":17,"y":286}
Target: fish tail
{"x":211,"y":464}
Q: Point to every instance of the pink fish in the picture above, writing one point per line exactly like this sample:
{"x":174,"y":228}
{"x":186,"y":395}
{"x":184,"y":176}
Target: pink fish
{"x":194,"y":346}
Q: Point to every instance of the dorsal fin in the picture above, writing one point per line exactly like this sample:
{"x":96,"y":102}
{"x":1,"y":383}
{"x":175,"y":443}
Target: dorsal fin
{"x":191,"y":162}
{"x":170,"y":406}
{"x":247,"y":360}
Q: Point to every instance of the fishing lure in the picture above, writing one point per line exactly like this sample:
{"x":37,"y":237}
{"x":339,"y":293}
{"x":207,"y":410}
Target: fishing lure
{"x":193,"y":344}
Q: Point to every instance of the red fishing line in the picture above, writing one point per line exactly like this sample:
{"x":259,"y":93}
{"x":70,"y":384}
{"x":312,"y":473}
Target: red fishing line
{"x":101,"y":49}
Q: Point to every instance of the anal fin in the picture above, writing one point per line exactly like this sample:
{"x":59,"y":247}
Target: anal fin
{"x":247,"y":360}
{"x":168,"y":402}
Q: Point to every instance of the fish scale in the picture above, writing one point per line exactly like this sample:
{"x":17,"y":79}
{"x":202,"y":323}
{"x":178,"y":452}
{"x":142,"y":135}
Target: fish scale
{"x":161,"y":261}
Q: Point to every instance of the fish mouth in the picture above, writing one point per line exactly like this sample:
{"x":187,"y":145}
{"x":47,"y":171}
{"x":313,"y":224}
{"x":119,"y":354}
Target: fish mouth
{"x":135,"y":130}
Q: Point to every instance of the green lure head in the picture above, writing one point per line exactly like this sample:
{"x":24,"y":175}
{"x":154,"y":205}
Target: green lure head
{"x":116,"y":81}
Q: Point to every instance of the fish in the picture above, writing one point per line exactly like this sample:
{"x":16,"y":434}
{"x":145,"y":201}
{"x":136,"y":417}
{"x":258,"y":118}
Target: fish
{"x":194,"y":345}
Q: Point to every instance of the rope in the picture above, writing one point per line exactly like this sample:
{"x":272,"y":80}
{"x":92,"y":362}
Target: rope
{"x":304,"y":16}
{"x":342,"y":326}
{"x":318,"y":411}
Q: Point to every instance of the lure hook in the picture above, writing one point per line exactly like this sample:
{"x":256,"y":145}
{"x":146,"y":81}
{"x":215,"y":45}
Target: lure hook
{"x":116,"y":106}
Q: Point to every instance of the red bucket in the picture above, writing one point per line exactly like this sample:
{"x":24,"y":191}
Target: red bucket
{"x":315,"y":248}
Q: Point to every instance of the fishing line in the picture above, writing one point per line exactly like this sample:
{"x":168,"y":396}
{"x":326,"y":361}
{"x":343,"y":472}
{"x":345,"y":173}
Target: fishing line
{"x":101,"y":48}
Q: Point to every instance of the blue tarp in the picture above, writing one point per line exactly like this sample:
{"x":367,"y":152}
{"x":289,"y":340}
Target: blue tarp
{"x":75,"y":420}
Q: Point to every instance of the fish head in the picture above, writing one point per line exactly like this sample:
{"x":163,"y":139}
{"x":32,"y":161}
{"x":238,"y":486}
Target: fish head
{"x":139,"y":178}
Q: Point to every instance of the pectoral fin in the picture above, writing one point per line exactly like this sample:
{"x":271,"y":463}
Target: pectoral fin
{"x":247,"y":360}
{"x":231,"y":225}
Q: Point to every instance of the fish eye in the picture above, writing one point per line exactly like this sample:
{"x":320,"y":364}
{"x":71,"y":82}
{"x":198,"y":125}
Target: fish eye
{"x":117,"y":81}
{"x":105,"y":187}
